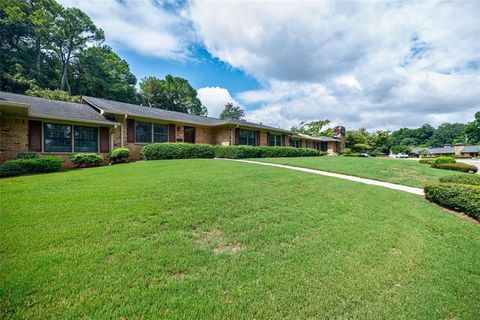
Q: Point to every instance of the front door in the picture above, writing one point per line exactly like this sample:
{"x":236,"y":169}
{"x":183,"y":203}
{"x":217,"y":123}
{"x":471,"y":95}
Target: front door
{"x":189,"y":134}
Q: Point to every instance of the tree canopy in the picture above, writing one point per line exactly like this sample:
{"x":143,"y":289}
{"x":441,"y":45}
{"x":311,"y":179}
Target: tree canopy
{"x":171,"y":93}
{"x":232,"y":112}
{"x":314,"y":128}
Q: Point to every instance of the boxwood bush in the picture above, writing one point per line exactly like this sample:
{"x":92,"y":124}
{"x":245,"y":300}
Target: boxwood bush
{"x":86,"y":159}
{"x":18,"y":167}
{"x":470,"y":179}
{"x":240,"y":152}
{"x":120,"y":155}
{"x":27,"y":155}
{"x":460,"y":197}
{"x":463,"y":167}
{"x":157,"y":151}
{"x":443,"y":159}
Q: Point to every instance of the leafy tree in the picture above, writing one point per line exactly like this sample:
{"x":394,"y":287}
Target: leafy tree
{"x":314,"y":128}
{"x":379,"y":141}
{"x":448,"y":133}
{"x":73,"y":32}
{"x":100,"y":72}
{"x":472,"y":129}
{"x":232,"y":112}
{"x":171,"y":93}
{"x":52,"y":94}
{"x":360,"y":136}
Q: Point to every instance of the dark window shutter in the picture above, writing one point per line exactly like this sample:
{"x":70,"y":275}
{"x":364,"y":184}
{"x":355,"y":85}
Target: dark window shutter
{"x":268,"y":138}
{"x":104,"y":140}
{"x":171,"y":133}
{"x":284,"y":140}
{"x":237,"y":136}
{"x":130,"y":130}
{"x":35,"y":135}
{"x":258,"y":138}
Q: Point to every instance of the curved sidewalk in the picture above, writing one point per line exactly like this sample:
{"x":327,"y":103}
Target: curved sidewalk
{"x":389,"y":185}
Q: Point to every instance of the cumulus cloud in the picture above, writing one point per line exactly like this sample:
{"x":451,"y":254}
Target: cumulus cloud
{"x":143,"y":26}
{"x":363,"y":64}
{"x":376,"y":64}
{"x":215,"y":99}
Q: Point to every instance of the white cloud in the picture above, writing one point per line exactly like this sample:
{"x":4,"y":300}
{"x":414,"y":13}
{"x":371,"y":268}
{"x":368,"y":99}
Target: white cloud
{"x":362,"y":64}
{"x":215,"y":99}
{"x":141,"y":25}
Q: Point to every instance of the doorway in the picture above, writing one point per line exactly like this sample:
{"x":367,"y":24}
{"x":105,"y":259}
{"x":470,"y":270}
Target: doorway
{"x":189,"y":134}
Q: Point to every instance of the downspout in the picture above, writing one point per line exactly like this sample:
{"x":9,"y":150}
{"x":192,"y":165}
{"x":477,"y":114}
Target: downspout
{"x":121,"y":130}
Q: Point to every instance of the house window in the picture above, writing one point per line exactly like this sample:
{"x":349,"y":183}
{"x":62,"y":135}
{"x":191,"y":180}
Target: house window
{"x":160,"y":132}
{"x":147,"y":132}
{"x":85,"y":139}
{"x":143,"y":132}
{"x":275,"y":140}
{"x":312,"y":144}
{"x":247,"y":137}
{"x":295,"y":143}
{"x":57,"y":137}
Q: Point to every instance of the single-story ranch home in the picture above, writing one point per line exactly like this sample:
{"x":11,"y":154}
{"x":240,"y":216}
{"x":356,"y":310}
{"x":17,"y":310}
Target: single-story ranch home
{"x":463,"y":150}
{"x":97,"y":125}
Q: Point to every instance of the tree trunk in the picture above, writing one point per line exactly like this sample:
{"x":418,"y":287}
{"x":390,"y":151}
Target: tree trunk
{"x":38,"y":53}
{"x":64,"y":83}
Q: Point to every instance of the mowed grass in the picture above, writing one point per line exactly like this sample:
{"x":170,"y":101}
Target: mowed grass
{"x":227,"y":240}
{"x":399,"y":171}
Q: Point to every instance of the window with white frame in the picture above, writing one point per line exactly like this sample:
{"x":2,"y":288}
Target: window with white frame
{"x":147,"y":132}
{"x":275,"y":140}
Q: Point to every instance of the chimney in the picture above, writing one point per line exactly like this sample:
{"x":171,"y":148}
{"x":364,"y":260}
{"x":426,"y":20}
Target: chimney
{"x":340,"y":134}
{"x":458,"y":149}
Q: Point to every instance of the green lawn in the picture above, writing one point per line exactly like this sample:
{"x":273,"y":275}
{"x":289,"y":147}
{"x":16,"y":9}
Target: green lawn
{"x":227,"y":240}
{"x":406,"y":172}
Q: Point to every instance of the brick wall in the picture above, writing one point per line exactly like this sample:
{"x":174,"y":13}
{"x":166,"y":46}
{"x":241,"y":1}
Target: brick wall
{"x":13,"y":137}
{"x":204,"y":135}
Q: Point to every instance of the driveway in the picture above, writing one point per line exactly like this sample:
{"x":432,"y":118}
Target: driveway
{"x":475,"y":162}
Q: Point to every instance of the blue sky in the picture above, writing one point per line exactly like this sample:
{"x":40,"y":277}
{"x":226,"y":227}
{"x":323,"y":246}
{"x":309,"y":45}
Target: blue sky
{"x":375,"y":64}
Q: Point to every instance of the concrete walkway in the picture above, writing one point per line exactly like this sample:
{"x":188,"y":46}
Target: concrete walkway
{"x":389,"y":185}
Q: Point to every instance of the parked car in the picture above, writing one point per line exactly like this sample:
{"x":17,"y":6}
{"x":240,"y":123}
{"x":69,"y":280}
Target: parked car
{"x":401,"y":155}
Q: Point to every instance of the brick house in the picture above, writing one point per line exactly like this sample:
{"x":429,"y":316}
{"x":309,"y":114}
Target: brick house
{"x":99,"y":125}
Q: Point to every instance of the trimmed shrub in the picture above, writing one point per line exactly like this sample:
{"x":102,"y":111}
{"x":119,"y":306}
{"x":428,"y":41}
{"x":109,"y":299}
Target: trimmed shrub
{"x":237,"y":152}
{"x":240,"y":152}
{"x":441,"y":160}
{"x":18,"y":167}
{"x":361,"y":147}
{"x":157,"y":151}
{"x":86,"y":159}
{"x":462,"y":157}
{"x":425,"y":161}
{"x":345,"y":151}
{"x":470,"y":179}
{"x":463,"y":167}
{"x":27,"y":155}
{"x":460,"y":197}
{"x":120,"y":155}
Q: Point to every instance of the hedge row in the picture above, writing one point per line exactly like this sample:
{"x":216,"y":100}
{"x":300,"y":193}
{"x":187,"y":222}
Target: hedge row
{"x":460,"y":197}
{"x":463,"y":167}
{"x":157,"y":151}
{"x":470,"y":179}
{"x":425,"y":161}
{"x":18,"y":167}
{"x":240,"y":152}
